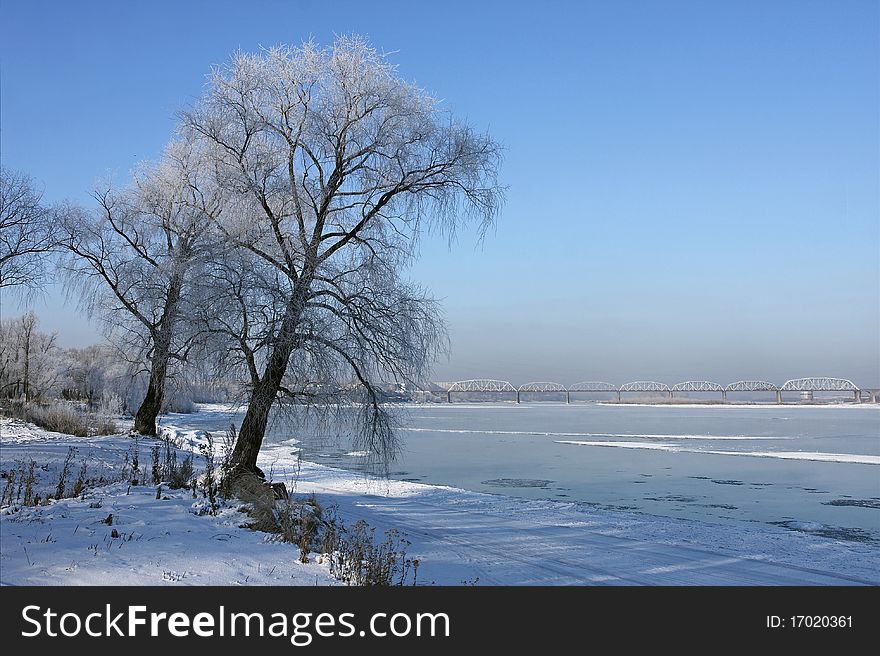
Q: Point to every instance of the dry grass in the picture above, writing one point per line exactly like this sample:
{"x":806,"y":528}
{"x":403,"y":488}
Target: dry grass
{"x":61,"y":417}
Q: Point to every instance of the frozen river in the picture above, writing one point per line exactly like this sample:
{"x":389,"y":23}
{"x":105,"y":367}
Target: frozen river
{"x":805,"y":468}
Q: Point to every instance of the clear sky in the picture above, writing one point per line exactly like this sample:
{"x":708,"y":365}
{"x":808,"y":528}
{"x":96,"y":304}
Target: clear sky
{"x":693,"y":186}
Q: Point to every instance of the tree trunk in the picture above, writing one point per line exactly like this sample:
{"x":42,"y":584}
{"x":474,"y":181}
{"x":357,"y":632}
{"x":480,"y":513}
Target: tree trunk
{"x":27,"y":372}
{"x":253,"y":429}
{"x":27,"y":328}
{"x":145,"y":418}
{"x":253,"y":426}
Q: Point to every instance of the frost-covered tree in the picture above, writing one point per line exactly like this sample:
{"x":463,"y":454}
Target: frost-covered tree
{"x":27,"y":232}
{"x":136,"y":260}
{"x":28,"y":359}
{"x":87,"y":372}
{"x":332,"y":166}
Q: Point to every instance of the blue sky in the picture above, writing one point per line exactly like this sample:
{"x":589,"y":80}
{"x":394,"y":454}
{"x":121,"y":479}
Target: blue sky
{"x":693,"y":186}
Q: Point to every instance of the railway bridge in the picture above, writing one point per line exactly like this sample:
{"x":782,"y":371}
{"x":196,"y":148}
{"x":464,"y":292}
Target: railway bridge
{"x":805,"y":386}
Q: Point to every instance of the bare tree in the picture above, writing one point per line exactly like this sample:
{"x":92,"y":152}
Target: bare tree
{"x":135,"y":263}
{"x":332,"y":166}
{"x":26,"y":232}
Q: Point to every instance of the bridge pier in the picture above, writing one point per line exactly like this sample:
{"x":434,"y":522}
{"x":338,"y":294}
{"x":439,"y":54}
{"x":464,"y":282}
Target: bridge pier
{"x":724,"y":396}
{"x":567,"y":396}
{"x":778,"y":396}
{"x":517,"y":396}
{"x":618,"y":396}
{"x":448,"y":396}
{"x":858,"y":395}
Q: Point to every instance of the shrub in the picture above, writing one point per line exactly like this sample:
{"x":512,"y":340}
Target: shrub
{"x":65,"y":472}
{"x":178,"y":401}
{"x":155,"y":468}
{"x":8,"y":488}
{"x":61,"y":417}
{"x":354,"y":556}
{"x":21,"y":485}
{"x":111,"y":404}
{"x":30,"y":480}
{"x":103,"y":425}
{"x":358,"y":560}
{"x":209,"y":482}
{"x":80,"y":483}
{"x":166,"y":468}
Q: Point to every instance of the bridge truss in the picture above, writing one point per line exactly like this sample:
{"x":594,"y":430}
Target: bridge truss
{"x":819,"y":384}
{"x":542,"y":387}
{"x":751,"y":386}
{"x":697,"y":386}
{"x":644,"y":386}
{"x":815,"y":384}
{"x":593,"y":386}
{"x":480,"y":385}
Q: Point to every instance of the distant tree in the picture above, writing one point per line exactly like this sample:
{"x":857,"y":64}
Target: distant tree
{"x":85,"y":372}
{"x":27,"y":233}
{"x":28,"y":359}
{"x":135,"y":263}
{"x":332,"y":166}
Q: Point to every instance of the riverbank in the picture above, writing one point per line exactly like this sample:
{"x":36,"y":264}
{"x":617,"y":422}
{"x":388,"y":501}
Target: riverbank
{"x":460,"y":537}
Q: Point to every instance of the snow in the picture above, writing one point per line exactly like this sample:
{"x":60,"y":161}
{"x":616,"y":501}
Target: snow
{"x":559,"y":434}
{"x":623,"y":445}
{"x":737,"y":404}
{"x":786,"y":455}
{"x":459,"y":536}
{"x":161,"y":541}
{"x":807,"y":455}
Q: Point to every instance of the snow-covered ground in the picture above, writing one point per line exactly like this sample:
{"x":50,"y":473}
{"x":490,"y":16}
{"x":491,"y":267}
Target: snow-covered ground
{"x":160,"y":541}
{"x":459,"y":536}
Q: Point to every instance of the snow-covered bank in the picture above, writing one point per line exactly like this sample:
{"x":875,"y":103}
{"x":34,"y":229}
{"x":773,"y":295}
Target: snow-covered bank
{"x":459,"y":536}
{"x":123,"y":535}
{"x":156,"y":541}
